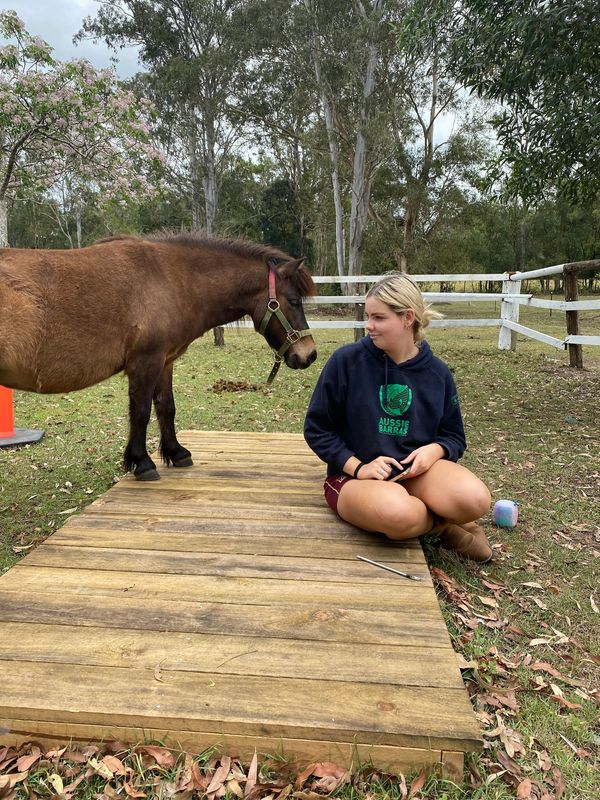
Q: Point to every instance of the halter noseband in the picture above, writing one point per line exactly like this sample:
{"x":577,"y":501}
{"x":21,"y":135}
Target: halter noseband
{"x":274,"y":309}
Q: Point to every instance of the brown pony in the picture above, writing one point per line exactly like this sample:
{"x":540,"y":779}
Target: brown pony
{"x":71,"y":318}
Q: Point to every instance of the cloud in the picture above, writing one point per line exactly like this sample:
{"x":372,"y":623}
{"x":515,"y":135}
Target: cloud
{"x":59,"y":20}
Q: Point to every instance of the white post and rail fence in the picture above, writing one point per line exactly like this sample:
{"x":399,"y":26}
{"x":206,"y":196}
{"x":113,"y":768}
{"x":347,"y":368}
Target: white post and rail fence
{"x":510,"y":296}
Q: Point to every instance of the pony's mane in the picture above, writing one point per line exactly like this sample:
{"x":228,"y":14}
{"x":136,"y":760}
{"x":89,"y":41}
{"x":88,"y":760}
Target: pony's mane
{"x":240,"y":247}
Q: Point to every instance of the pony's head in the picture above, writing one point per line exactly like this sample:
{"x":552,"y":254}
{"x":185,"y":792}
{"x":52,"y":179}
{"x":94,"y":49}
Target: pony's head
{"x":283,"y":323}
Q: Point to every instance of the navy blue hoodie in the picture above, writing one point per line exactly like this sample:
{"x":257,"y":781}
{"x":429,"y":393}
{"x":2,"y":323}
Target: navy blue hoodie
{"x":365,"y":405}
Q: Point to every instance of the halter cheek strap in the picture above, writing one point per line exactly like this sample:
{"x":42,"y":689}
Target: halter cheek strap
{"x":274,"y":309}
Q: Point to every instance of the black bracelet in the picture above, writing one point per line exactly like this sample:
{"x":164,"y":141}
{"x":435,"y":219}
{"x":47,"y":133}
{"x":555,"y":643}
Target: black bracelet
{"x":356,"y":471}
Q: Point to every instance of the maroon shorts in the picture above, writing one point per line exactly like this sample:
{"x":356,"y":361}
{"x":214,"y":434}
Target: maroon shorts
{"x":332,"y":488}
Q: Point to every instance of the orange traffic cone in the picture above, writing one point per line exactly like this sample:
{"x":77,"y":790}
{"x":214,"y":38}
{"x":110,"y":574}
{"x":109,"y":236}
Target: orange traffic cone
{"x":9,"y":435}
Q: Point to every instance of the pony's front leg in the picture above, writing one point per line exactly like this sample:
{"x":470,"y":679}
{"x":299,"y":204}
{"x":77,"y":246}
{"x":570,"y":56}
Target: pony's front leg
{"x":164,"y":403}
{"x":143,"y":377}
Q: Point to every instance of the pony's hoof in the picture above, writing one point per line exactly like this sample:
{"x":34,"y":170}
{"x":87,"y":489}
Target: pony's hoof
{"x":148,"y":475}
{"x":186,"y":461}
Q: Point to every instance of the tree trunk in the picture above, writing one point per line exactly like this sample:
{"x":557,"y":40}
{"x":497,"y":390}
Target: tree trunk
{"x":361,"y":182}
{"x":3,"y":222}
{"x":333,"y":150}
{"x":209,"y":180}
{"x":194,"y":167}
{"x":410,"y":219}
{"x":78,"y":221}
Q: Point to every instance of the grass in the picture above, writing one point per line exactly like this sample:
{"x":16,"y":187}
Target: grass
{"x":532,"y":425}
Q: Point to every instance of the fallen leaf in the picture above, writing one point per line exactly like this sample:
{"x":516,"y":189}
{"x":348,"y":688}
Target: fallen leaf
{"x":220,"y":776}
{"x":72,"y":786}
{"x":101,"y":769}
{"x":56,"y":782}
{"x":565,"y":703}
{"x":252,"y":775}
{"x":304,"y":775}
{"x":593,"y":605}
{"x":8,"y":781}
{"x":25,"y":762}
{"x":524,"y":789}
{"x":559,"y":782}
{"x":234,"y":788}
{"x":161,"y":755}
{"x":544,"y":760}
{"x":115,"y":765}
{"x":131,"y":792}
{"x":418,"y":783}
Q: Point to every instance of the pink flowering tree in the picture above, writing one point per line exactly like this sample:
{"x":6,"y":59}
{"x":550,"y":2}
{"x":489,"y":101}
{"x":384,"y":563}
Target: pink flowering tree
{"x":66,"y":124}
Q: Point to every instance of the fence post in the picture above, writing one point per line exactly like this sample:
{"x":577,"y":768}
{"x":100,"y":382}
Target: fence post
{"x":359,"y":312}
{"x":572,"y":293}
{"x":507,"y":339}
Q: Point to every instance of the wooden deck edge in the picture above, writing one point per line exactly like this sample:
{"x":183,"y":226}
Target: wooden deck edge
{"x":350,"y":755}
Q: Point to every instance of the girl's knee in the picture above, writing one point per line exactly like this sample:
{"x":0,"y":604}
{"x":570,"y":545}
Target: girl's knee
{"x":482,"y":500}
{"x":404,"y":520}
{"x":474,"y":503}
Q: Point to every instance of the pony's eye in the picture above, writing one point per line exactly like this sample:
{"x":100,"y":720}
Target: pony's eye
{"x":295,"y":303}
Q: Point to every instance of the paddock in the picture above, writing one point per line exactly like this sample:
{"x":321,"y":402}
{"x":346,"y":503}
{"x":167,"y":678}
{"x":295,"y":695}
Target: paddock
{"x":224,"y":605}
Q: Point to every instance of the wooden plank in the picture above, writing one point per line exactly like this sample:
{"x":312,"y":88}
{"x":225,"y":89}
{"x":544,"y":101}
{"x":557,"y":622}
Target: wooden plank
{"x":390,"y":759}
{"x":228,"y":564}
{"x":209,"y":588}
{"x":453,"y":765}
{"x":167,"y":651}
{"x":248,"y":705}
{"x":326,"y":527}
{"x":115,"y":536}
{"x":419,"y":623}
{"x":210,"y":505}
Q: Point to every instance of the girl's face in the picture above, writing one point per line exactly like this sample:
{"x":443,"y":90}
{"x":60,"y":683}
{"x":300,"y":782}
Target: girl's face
{"x":387,"y":329}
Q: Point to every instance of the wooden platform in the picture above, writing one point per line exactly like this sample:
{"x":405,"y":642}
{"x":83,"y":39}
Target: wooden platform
{"x":224,"y":605}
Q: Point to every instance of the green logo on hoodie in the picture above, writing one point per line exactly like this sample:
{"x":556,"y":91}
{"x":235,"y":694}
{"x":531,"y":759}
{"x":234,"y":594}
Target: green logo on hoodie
{"x":395,"y":398}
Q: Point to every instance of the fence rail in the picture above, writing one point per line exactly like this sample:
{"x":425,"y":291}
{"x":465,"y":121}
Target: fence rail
{"x":510,"y":297}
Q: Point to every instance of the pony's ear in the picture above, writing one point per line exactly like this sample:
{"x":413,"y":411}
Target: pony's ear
{"x":288,"y":268}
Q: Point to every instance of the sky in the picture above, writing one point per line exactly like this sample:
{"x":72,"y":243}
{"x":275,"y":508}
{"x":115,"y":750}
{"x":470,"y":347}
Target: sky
{"x":57,"y":21}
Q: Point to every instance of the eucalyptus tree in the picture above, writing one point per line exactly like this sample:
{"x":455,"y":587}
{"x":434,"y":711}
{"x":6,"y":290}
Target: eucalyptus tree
{"x":348,"y":39}
{"x":439,"y":134}
{"x":194,"y":51}
{"x":540,"y":60}
{"x":65,"y":121}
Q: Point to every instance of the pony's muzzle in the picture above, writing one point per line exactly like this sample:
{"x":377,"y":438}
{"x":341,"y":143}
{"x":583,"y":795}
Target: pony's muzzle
{"x":302,"y":355}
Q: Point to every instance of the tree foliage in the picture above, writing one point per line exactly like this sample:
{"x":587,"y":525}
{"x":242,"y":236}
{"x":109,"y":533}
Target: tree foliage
{"x":540,"y":59}
{"x":67,"y":122}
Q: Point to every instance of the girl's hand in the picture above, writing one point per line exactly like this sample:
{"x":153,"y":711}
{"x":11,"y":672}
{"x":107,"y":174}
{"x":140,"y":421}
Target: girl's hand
{"x":378,"y":469}
{"x":420,"y":460}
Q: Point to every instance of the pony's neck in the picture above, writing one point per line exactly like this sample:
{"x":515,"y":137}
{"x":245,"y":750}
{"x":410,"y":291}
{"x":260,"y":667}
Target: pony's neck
{"x":239,"y":290}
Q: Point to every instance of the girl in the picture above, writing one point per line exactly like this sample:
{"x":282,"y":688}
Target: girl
{"x":385,"y":418}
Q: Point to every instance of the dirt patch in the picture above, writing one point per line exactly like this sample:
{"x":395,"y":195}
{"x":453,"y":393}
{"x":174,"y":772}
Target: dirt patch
{"x":234,"y":386}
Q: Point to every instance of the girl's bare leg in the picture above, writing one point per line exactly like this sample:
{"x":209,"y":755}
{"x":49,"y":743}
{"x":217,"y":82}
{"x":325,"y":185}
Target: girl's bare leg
{"x":384,"y":507}
{"x":451,"y":491}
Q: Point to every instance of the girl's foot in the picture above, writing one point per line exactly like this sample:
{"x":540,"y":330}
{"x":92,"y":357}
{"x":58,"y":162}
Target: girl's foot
{"x":468,"y":541}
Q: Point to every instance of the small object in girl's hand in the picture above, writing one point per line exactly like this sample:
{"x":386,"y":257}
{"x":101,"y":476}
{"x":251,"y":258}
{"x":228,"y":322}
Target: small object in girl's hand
{"x":395,"y":471}
{"x":505,"y":513}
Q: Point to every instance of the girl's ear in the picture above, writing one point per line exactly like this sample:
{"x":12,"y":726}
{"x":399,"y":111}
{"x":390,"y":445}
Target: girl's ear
{"x":409,"y":316}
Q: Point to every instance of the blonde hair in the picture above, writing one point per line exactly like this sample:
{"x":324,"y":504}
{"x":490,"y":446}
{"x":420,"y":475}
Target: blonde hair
{"x":398,"y":291}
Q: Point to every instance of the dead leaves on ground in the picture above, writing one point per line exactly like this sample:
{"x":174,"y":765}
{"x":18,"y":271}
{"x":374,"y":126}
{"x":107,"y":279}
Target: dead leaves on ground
{"x":497,"y":682}
{"x":118,"y":772}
